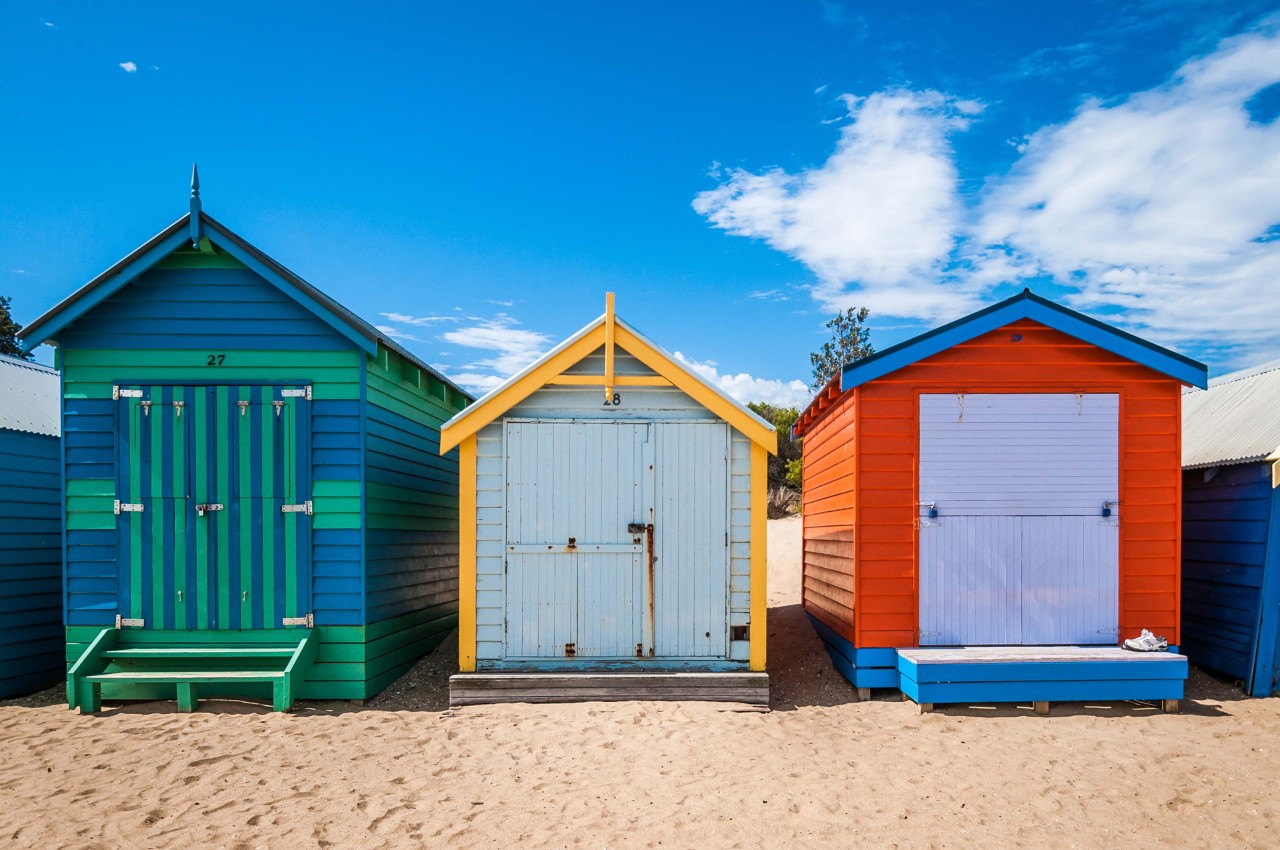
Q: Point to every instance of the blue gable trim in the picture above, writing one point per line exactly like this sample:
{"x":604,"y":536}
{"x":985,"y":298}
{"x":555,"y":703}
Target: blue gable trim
{"x":105,"y":285}
{"x":196,"y":225}
{"x":265,"y":272}
{"x":1026,"y":305}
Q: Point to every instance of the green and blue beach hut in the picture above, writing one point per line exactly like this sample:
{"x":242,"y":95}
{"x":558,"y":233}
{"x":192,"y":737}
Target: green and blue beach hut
{"x":255,"y":503}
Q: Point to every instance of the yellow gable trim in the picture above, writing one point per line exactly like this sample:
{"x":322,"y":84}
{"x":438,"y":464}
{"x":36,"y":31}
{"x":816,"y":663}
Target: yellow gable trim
{"x":678,"y":375}
{"x":490,"y":408}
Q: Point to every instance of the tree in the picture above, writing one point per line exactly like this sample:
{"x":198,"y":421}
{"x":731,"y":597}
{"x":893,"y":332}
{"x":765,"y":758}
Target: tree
{"x":849,"y":342}
{"x":9,"y":332}
{"x":788,"y":450}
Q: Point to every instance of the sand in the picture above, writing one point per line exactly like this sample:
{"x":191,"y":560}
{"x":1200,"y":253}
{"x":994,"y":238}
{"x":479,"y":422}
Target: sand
{"x":819,"y":770}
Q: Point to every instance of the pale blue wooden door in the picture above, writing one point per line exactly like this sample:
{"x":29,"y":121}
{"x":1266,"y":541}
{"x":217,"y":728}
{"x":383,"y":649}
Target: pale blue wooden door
{"x":576,"y":581}
{"x":1019,"y":551}
{"x":691,"y":522}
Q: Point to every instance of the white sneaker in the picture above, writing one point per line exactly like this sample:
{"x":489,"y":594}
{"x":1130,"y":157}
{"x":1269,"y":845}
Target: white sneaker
{"x":1147,"y":642}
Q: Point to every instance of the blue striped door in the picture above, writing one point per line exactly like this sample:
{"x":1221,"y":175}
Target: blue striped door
{"x":212,"y":469}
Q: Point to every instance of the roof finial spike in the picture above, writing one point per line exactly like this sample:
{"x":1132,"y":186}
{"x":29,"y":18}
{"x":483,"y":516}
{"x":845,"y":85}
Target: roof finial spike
{"x":195,"y":206}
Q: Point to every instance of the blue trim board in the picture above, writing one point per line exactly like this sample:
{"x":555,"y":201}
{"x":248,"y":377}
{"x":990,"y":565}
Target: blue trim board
{"x":1025,"y":305}
{"x":1047,"y":681}
{"x":1266,"y":662}
{"x":869,"y":667}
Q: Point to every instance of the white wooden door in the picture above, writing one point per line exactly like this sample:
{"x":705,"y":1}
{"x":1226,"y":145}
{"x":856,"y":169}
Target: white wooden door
{"x":1019,"y":551}
{"x":691,"y":521}
{"x":576,"y":583}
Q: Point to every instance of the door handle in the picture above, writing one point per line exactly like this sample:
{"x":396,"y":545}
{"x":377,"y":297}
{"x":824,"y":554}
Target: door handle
{"x":214,"y":506}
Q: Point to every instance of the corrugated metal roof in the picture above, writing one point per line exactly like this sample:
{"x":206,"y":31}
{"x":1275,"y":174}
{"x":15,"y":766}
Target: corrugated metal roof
{"x":28,"y":397}
{"x":1235,"y":420}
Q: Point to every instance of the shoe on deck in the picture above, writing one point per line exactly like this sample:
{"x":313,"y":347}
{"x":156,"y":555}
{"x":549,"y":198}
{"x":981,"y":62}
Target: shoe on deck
{"x":1147,"y":642}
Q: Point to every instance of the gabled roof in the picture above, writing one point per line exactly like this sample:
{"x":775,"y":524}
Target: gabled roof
{"x":821,"y":402}
{"x":605,"y":331}
{"x":362,"y":334}
{"x":1235,"y":420}
{"x":29,"y":397}
{"x":1026,"y":305}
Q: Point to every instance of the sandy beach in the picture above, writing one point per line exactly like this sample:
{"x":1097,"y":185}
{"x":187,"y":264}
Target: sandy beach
{"x":819,"y":770}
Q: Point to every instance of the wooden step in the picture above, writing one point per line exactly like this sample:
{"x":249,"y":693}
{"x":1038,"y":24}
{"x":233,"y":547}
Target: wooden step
{"x":172,"y":677}
{"x":480,"y":688}
{"x":189,"y":652}
{"x":119,"y":657}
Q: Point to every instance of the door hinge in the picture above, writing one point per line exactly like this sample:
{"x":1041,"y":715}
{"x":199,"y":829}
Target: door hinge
{"x":128,"y":507}
{"x":129,"y":623}
{"x":117,"y":393}
{"x":304,"y":392}
{"x":304,"y":508}
{"x":309,"y":621}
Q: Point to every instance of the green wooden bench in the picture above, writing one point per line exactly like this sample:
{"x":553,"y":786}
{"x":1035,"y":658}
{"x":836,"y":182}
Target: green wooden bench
{"x":117,"y":656}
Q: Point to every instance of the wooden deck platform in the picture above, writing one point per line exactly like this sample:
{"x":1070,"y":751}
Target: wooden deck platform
{"x":481,"y":688}
{"x":1039,"y":674}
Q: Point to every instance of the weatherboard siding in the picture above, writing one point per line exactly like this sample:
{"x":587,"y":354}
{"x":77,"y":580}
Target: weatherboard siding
{"x":30,"y":562}
{"x":881,"y":501}
{"x":218,"y":305}
{"x":830,"y":491}
{"x":1226,"y":529}
{"x":411,"y":549}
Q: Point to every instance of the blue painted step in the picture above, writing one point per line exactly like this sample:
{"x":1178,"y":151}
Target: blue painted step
{"x":1039,"y":674}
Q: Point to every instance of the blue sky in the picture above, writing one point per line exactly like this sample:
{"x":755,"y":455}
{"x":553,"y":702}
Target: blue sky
{"x":474,"y":177}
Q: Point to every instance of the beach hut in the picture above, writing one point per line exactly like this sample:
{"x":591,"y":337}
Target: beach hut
{"x":30,"y":528}
{"x":1231,"y":527}
{"x":991,"y":507}
{"x":612,"y":522}
{"x":255,"y":500}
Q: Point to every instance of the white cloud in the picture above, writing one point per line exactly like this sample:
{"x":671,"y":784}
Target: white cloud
{"x":129,"y":67}
{"x":511,"y":349}
{"x":397,"y":333}
{"x":1159,"y":205}
{"x":419,"y":321}
{"x":746,"y":389}
{"x":881,"y":213}
{"x":1159,"y":211}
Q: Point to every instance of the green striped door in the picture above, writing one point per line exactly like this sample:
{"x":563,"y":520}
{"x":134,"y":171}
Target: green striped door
{"x":209,"y":477}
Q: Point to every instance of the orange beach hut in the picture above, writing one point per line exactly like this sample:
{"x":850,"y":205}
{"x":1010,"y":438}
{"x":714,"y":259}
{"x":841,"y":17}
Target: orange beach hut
{"x":992,"y":507}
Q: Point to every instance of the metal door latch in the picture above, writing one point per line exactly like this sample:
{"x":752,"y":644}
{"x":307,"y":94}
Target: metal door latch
{"x":127,"y":508}
{"x":1107,"y":506}
{"x":931,"y":507}
{"x":202,"y":509}
{"x":303,"y":508}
